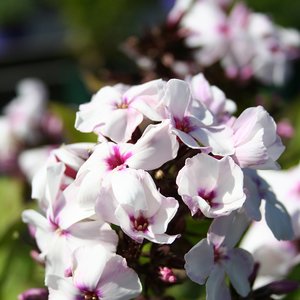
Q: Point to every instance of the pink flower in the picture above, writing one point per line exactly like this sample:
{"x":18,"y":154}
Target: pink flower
{"x":215,"y":192}
{"x":256,"y":142}
{"x":115,"y":112}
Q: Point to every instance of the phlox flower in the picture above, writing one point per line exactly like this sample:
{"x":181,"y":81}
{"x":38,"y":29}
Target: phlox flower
{"x":215,"y":187}
{"x":256,"y":142}
{"x":132,"y":202}
{"x":64,"y":227}
{"x":215,"y":256}
{"x":207,"y":30}
{"x":97,"y":274}
{"x":156,"y":146}
{"x":192,"y":122}
{"x":115,"y":112}
{"x":25,"y":112}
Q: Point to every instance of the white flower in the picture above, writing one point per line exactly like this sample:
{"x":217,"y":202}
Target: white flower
{"x":215,"y":187}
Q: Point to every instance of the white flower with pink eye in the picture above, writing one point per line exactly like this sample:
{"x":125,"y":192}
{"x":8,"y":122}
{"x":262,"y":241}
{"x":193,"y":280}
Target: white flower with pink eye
{"x":212,"y":186}
{"x":64,"y":226}
{"x":192,"y":122}
{"x":208,"y":29}
{"x":97,"y":274}
{"x":256,"y":142}
{"x":213,"y":257}
{"x":132,"y":201}
{"x":115,"y":112}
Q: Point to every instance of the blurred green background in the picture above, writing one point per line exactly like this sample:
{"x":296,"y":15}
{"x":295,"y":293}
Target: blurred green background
{"x":66,"y":43}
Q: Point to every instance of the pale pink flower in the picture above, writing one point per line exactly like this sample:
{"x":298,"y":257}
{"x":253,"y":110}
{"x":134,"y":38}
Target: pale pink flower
{"x":132,"y":201}
{"x":156,"y":146}
{"x":115,"y":112}
{"x":256,"y":142}
{"x":213,"y":257}
{"x":215,"y":187}
{"x":25,"y":112}
{"x":207,"y":28}
{"x":212,"y":97}
{"x":192,"y":122}
{"x":96,"y":274}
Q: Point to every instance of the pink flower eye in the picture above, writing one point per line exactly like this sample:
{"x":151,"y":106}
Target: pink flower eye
{"x":140,"y":223}
{"x":208,"y":196}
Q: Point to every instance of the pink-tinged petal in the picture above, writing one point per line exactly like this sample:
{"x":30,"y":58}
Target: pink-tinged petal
{"x":156,"y":146}
{"x":106,"y":205}
{"x":88,"y":266}
{"x":219,"y":138}
{"x":227,"y":230}
{"x":80,"y":198}
{"x":187,"y":139}
{"x":177,"y":97}
{"x":231,"y":186}
{"x":121,"y":124}
{"x":95,"y":113}
{"x":55,"y":174}
{"x":128,"y":189}
{"x":124,"y":221}
{"x":253,"y":152}
{"x":199,"y":261}
{"x":164,"y":215}
{"x":216,"y":288}
{"x":161,"y":238}
{"x":146,"y":98}
{"x":239,"y":267}
{"x":118,"y":282}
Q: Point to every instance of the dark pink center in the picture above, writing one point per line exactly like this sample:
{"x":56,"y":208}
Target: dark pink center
{"x":117,"y":160}
{"x":208,"y":196}
{"x":183,"y":124}
{"x":220,"y":253}
{"x":140,"y":223}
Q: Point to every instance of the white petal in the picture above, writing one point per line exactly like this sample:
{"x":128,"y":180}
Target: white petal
{"x":239,"y":267}
{"x":216,"y":288}
{"x":199,"y":261}
{"x":88,"y":265}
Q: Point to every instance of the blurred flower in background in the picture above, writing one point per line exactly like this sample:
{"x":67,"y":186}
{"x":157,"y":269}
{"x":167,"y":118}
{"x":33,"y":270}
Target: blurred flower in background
{"x":54,"y":55}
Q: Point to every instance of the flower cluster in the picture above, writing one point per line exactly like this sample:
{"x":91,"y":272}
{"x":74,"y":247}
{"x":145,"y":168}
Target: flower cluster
{"x":246,"y":43}
{"x":166,"y":151}
{"x":26,"y":123}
